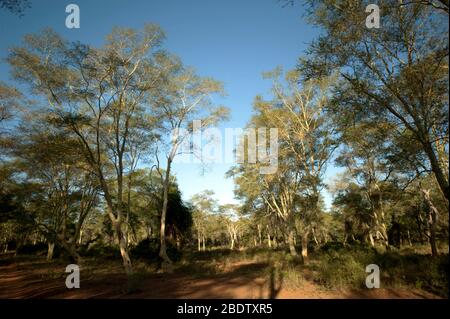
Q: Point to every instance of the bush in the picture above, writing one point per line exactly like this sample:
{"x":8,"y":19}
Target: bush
{"x":429,"y":273}
{"x":332,"y":246}
{"x":30,"y":249}
{"x":105,"y":251}
{"x":341,"y":270}
{"x":148,"y":249}
{"x":340,"y":266}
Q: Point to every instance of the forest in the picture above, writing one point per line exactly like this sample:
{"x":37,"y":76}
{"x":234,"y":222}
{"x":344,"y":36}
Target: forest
{"x":89,"y":135}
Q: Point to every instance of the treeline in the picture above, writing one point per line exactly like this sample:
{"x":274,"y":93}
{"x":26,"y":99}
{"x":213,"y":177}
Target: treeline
{"x":72,"y":155}
{"x":87,"y":154}
{"x":375,"y":103}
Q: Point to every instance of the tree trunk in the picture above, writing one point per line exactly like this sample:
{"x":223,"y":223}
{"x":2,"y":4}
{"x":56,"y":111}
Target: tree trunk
{"x":436,"y":168}
{"x":305,"y":246}
{"x":432,"y":218}
{"x":121,"y":240}
{"x":291,"y":243}
{"x":50,"y":250}
{"x":434,"y":251}
{"x":268,"y":241}
{"x":315,"y":238}
{"x":204,"y":245}
{"x":409,"y":238}
{"x":167,"y":263}
{"x":372,"y":242}
{"x":259,"y":235}
{"x":149,"y":231}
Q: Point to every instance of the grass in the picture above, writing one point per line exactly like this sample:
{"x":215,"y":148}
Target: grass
{"x":332,"y":267}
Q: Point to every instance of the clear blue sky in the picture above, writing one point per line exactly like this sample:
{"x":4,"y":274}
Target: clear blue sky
{"x":233,"y":41}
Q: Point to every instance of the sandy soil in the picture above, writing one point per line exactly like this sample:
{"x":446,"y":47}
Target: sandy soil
{"x":38,"y":279}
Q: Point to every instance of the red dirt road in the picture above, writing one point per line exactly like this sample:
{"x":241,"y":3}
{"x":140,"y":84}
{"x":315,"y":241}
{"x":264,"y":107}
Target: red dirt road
{"x":40,"y":280}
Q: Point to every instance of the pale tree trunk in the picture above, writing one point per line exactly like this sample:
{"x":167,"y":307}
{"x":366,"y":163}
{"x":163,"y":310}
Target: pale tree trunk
{"x":116,"y":222}
{"x":121,"y":240}
{"x":149,"y":231}
{"x":372,"y":242}
{"x":259,"y":234}
{"x":50,"y":250}
{"x":268,"y":240}
{"x":199,"y":241}
{"x":167,"y":263}
{"x":315,"y":238}
{"x":70,"y":247}
{"x":233,"y":237}
{"x":432,"y":219}
{"x":204,"y":245}
{"x":291,"y":243}
{"x":305,"y":245}
{"x":409,"y":238}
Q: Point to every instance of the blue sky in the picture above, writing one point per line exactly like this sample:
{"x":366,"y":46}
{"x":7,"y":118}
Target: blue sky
{"x":233,"y":41}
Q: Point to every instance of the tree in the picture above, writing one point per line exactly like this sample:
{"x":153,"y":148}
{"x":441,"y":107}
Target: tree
{"x":185,"y":98}
{"x":100,"y":96}
{"x":204,"y":206}
{"x":15,"y":6}
{"x":398,"y":72}
{"x":65,"y":190}
{"x":231,"y":221}
{"x":292,"y":192}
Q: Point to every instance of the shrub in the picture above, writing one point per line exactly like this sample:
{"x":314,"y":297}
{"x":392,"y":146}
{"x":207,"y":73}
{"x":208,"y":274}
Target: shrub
{"x":341,"y":270}
{"x":30,"y":249}
{"x":148,"y":249}
{"x":332,"y":246}
{"x":104,"y":251}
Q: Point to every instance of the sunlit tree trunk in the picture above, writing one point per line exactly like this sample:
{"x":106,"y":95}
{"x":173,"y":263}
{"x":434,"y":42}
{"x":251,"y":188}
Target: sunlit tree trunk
{"x":305,"y":245}
{"x":372,"y":242}
{"x":315,"y":238}
{"x":259,"y":234}
{"x":432,"y":218}
{"x":199,"y":241}
{"x":291,"y":243}
{"x":50,"y":250}
{"x":121,"y":241}
{"x":167,"y":263}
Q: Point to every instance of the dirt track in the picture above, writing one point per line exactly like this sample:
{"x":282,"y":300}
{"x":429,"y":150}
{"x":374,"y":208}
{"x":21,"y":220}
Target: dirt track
{"x":40,"y":280}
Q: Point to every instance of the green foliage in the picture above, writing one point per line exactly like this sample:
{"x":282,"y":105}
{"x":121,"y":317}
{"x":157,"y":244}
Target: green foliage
{"x":102,"y":251}
{"x":148,"y":249}
{"x":338,"y":267}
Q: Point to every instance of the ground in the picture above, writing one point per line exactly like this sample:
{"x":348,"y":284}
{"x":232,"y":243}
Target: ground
{"x":34,"y":277}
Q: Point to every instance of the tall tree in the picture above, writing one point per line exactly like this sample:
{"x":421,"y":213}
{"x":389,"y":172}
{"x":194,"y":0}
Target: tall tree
{"x":398,"y":71}
{"x":100,"y":95}
{"x":186,"y":97}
